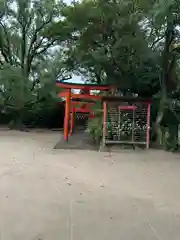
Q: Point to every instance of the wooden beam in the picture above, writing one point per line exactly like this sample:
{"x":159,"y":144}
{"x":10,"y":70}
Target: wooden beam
{"x":84,"y":86}
{"x":76,"y":103}
{"x":81,"y":96}
{"x":82,"y":110}
{"x":67,"y":114}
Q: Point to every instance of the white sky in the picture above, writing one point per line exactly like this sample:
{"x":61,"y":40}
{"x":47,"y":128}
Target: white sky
{"x":68,"y":1}
{"x":75,"y":78}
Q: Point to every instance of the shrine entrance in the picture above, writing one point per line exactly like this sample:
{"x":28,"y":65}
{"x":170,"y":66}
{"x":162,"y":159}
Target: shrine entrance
{"x":80,"y":104}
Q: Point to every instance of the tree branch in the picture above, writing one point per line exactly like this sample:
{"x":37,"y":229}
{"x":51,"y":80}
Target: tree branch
{"x":1,"y":62}
{"x":32,"y":52}
{"x":36,"y":53}
{"x":4,"y":54}
{"x":35,"y":35}
{"x":23,"y":48}
{"x":7,"y":56}
{"x":45,"y":48}
{"x":156,"y":41}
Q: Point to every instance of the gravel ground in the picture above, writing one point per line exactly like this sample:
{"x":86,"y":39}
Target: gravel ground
{"x":48,"y":194}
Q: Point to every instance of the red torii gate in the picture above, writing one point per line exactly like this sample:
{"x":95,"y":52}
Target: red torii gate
{"x":72,"y":103}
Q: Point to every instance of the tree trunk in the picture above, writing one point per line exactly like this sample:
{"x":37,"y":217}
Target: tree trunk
{"x":169,"y":37}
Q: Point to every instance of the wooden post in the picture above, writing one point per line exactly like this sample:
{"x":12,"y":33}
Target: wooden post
{"x":67,"y":114}
{"x":133,"y":126}
{"x":104,"y":123}
{"x":72,"y":121}
{"x":148,"y":126}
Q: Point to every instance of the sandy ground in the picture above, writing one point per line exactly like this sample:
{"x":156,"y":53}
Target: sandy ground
{"x":48,"y":194}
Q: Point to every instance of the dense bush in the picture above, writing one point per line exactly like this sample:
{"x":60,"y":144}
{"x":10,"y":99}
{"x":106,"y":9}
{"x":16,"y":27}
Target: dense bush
{"x":42,"y":116}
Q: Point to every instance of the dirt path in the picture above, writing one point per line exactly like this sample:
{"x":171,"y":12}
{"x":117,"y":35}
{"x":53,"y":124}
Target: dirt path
{"x":48,"y":194}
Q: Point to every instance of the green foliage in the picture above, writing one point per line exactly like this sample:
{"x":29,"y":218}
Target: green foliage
{"x":108,"y":44}
{"x":29,"y":65}
{"x":131,"y":44}
{"x":95,"y":128}
{"x":95,"y":125}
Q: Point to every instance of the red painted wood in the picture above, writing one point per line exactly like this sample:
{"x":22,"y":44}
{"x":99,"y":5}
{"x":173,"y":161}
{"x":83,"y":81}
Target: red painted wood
{"x":67,"y":114}
{"x":148,"y":127}
{"x":127,"y":108}
{"x":72,"y":122}
{"x":104,"y":120}
{"x":83,"y":86}
{"x":81,"y":96}
{"x":82,"y":110}
{"x":76,"y":103}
